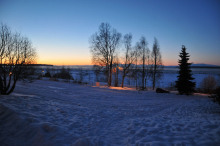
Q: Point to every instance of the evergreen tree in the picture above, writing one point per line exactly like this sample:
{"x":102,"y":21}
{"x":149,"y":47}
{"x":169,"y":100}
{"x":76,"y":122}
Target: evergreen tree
{"x":184,"y":83}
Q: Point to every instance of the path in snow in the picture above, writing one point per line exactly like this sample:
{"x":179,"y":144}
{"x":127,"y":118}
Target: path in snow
{"x":57,"y":113}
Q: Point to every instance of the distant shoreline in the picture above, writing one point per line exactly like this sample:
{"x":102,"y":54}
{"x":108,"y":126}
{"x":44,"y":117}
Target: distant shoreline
{"x":92,"y":66}
{"x":205,"y":66}
{"x":194,"y":66}
{"x":41,"y":65}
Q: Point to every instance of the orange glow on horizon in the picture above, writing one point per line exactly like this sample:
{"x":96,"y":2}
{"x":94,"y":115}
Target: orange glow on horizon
{"x":89,"y":62}
{"x":84,"y":62}
{"x":170,"y":62}
{"x":60,"y":62}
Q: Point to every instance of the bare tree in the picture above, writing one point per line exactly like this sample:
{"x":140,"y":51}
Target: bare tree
{"x":129,"y":59}
{"x":157,"y":65}
{"x":6,"y":37}
{"x":208,"y":84}
{"x":103,"y":46}
{"x":116,"y":70}
{"x":136,"y":70}
{"x":17,"y":55}
{"x":144,"y":56}
{"x":81,"y":74}
{"x":97,"y":70}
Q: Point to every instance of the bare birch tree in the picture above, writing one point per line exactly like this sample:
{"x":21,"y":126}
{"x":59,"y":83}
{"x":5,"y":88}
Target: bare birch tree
{"x":17,"y":54}
{"x":103,"y":45}
{"x":144,"y":57}
{"x":97,"y":71}
{"x":6,"y":37}
{"x":136,"y":70}
{"x":129,"y":59}
{"x":157,"y":65}
{"x":116,"y":70}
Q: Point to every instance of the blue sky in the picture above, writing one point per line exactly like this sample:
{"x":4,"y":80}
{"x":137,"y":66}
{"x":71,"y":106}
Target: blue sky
{"x":60,"y":29}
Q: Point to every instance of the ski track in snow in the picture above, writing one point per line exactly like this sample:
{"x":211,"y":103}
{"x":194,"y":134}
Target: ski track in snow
{"x":58,"y":113}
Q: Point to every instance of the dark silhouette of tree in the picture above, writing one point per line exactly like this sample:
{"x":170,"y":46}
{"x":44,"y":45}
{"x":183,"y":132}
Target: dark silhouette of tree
{"x":157,"y":65}
{"x":81,"y":74}
{"x":47,"y":74}
{"x":116,"y":70}
{"x":144,"y":54}
{"x":64,"y":73}
{"x":16,"y":54}
{"x":184,"y":83}
{"x":97,"y":71}
{"x":129,"y":58}
{"x":136,"y":70}
{"x":103,"y":47}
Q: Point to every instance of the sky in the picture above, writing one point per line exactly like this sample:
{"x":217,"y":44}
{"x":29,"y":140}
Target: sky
{"x":60,"y":29}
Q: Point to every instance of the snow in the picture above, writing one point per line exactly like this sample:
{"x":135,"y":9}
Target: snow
{"x":58,"y":113}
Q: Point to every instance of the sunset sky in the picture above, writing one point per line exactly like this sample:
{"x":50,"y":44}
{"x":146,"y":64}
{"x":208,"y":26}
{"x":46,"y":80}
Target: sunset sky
{"x":60,"y":29}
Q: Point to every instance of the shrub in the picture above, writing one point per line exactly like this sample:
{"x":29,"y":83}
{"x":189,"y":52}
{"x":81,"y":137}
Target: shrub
{"x":216,"y":96}
{"x":81,"y":75}
{"x":142,"y":89}
{"x":63,"y":74}
{"x":208,"y":84}
{"x":171,"y":86}
{"x":199,"y":90}
{"x":47,"y":74}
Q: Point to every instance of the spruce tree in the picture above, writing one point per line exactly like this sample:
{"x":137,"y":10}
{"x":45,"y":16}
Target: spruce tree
{"x":184,"y":83}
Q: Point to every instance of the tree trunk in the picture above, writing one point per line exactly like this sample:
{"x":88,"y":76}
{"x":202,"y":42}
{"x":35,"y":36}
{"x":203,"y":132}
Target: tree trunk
{"x":143,"y":76}
{"x":3,"y":90}
{"x":1,"y":85}
{"x":9,"y":83}
{"x":136,"y":71}
{"x":145,"y":83}
{"x":122,"y":82}
{"x":12,"y":88}
{"x":107,"y":74}
{"x":154,"y":75}
{"x":110,"y":78}
{"x":116,"y":76}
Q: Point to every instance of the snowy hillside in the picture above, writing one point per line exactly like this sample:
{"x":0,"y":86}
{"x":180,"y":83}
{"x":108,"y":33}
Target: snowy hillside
{"x":58,"y":113}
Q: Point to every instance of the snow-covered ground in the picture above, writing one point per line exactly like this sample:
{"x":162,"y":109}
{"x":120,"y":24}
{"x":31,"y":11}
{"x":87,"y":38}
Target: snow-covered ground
{"x":59,"y":113}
